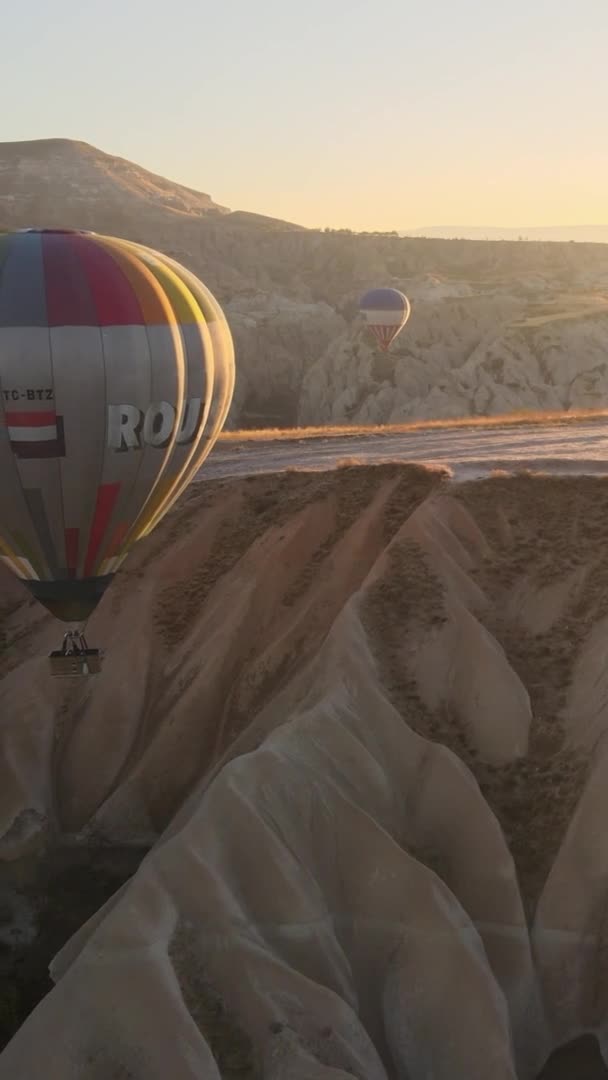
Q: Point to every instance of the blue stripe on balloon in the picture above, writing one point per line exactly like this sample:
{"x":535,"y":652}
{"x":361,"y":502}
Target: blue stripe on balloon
{"x":383,"y":300}
{"x":22,"y":296}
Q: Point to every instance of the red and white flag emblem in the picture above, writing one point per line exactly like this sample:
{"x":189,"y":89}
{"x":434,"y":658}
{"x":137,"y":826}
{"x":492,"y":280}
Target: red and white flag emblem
{"x":35,"y":434}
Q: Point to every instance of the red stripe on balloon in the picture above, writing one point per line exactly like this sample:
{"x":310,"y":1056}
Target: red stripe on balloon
{"x":71,"y":550}
{"x":106,"y":498}
{"x":30,"y":419}
{"x":157,"y":304}
{"x":113,"y":295}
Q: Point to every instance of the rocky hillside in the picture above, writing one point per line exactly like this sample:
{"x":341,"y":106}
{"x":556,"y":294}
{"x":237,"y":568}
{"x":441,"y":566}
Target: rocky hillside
{"x":352,"y":727}
{"x":489,"y":352}
{"x":60,"y":182}
{"x":495,"y":325}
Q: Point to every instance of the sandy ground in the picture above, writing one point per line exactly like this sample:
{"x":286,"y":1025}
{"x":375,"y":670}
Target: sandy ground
{"x":359,"y":720}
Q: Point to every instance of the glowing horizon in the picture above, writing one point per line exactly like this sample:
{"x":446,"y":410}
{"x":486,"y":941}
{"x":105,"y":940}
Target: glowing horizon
{"x":345,"y":116}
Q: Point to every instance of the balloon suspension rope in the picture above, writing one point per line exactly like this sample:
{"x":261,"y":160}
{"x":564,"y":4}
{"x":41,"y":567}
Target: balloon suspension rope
{"x":82,"y":638}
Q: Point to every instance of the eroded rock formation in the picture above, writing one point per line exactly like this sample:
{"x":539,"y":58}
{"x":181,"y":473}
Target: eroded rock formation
{"x":360,"y":717}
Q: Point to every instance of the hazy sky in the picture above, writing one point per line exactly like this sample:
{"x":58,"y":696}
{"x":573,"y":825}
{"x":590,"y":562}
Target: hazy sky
{"x":331,"y":112}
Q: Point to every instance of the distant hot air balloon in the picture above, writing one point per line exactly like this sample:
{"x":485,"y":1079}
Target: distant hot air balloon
{"x":386,"y":312}
{"x":116,"y":377}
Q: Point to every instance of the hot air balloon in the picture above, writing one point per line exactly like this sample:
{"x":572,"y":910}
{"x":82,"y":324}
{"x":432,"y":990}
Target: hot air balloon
{"x":116,"y":377}
{"x":386,"y":312}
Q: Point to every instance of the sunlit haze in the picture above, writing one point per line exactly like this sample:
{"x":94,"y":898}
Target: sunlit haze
{"x":336,"y":113}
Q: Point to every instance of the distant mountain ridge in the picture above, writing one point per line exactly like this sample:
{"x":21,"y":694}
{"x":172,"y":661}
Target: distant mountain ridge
{"x":67,"y":182}
{"x":582,"y":234}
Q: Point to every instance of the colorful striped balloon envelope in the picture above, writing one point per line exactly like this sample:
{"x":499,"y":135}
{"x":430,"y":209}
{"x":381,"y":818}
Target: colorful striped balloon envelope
{"x":116,"y":377}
